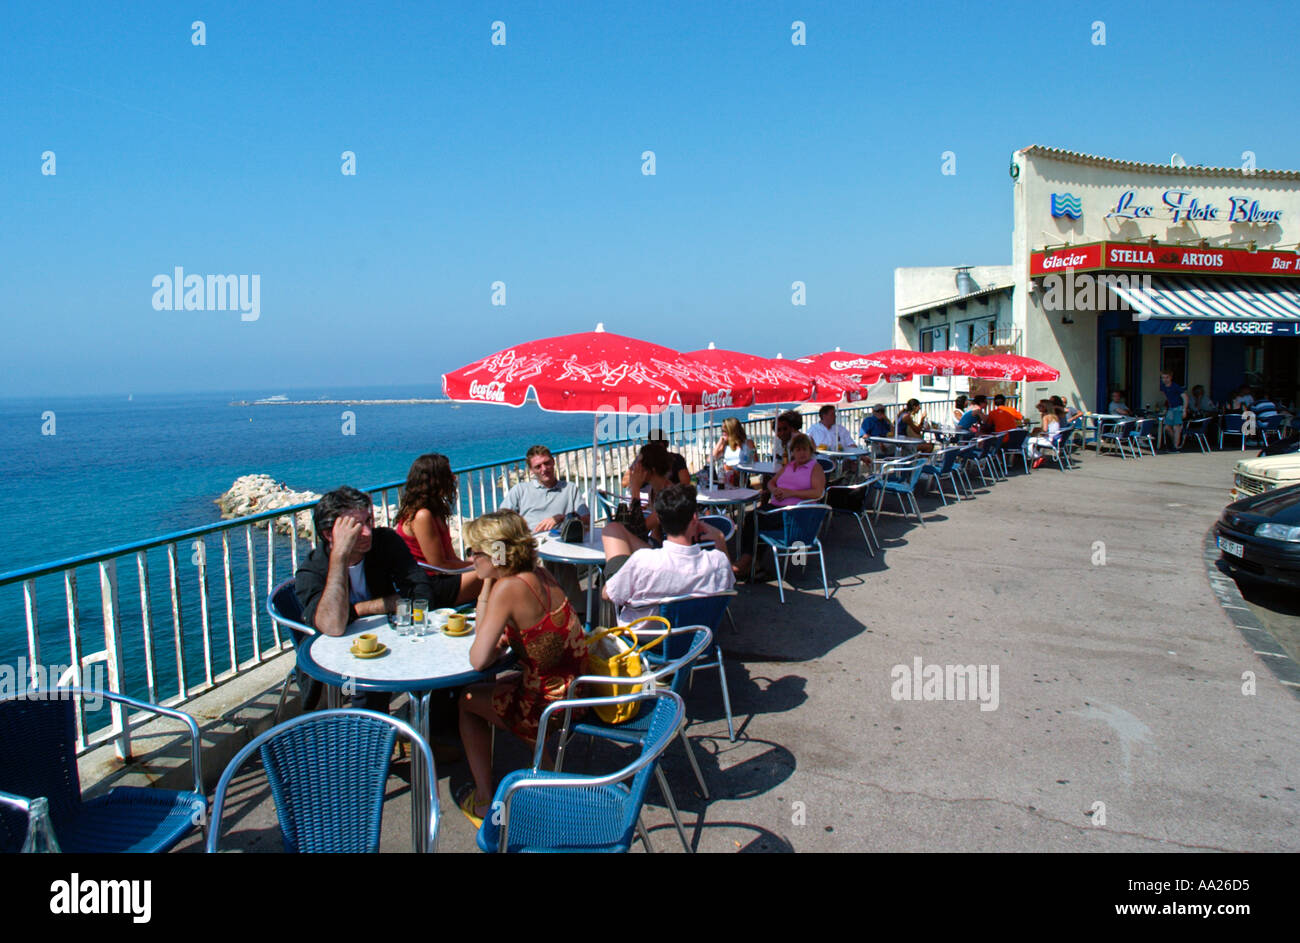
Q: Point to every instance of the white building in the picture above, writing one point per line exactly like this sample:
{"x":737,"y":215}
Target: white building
{"x":1121,"y":270}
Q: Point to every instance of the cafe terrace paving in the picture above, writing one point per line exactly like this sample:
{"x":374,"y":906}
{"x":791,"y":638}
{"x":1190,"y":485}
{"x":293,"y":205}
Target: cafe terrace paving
{"x":1119,"y":683}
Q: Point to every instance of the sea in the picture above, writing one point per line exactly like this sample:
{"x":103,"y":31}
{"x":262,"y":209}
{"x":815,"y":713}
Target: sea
{"x":91,"y":473}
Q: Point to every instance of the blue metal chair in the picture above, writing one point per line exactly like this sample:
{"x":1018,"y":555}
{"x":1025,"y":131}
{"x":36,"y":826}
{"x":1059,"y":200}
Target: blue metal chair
{"x":965,"y":455}
{"x":855,"y":500}
{"x":945,"y":468}
{"x":38,"y":759}
{"x":688,"y":643}
{"x":1232,"y":424}
{"x":328,"y":772}
{"x":1196,"y":431}
{"x":540,"y":810}
{"x":799,"y":537}
{"x":704,"y":611}
{"x":1015,"y":445}
{"x":901,"y":479}
{"x":1144,"y":431}
{"x":284,"y":609}
{"x":1061,"y":445}
{"x":1120,"y":436}
{"x":1272,"y":423}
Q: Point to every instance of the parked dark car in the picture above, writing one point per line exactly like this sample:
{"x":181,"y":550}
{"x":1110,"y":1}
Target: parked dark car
{"x":1259,"y":536}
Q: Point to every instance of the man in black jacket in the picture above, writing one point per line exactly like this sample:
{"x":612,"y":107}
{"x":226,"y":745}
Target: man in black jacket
{"x":358,"y":569}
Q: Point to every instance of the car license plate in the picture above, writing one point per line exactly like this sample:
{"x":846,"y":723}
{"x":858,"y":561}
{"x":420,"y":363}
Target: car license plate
{"x":1232,"y":547}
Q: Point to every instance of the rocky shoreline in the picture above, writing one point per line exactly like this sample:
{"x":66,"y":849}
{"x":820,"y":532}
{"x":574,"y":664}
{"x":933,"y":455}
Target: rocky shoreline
{"x":257,"y":494}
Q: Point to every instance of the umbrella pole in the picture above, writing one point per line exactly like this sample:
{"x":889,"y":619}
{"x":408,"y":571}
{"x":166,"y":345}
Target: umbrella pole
{"x":591,"y":471}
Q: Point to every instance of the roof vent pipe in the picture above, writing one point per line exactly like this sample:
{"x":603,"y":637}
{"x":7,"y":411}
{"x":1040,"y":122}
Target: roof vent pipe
{"x":965,"y":284}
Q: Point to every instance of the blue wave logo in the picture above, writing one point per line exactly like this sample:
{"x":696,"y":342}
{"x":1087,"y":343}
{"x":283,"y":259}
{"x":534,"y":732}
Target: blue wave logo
{"x":1066,"y":204}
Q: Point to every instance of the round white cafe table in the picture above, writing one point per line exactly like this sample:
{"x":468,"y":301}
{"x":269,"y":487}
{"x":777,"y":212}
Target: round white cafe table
{"x":757,"y":468}
{"x":415,"y":666}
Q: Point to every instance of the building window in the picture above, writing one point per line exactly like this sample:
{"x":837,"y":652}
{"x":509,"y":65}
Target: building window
{"x":932,"y":339}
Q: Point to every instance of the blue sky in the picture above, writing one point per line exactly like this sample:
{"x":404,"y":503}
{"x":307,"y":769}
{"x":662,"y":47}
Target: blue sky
{"x":522,"y":163}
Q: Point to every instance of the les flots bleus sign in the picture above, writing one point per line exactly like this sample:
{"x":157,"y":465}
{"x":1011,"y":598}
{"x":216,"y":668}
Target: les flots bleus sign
{"x":1181,"y":206}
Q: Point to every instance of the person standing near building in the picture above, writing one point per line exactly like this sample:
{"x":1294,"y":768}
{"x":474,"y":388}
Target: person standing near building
{"x":1176,"y":400}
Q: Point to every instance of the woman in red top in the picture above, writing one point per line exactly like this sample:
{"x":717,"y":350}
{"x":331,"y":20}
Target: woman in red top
{"x":521,"y":608}
{"x":422,"y":515}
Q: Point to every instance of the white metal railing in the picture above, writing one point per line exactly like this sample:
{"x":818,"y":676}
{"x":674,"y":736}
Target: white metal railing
{"x":170,"y":643}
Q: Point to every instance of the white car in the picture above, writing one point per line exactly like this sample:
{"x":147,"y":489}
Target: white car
{"x":1256,"y":475}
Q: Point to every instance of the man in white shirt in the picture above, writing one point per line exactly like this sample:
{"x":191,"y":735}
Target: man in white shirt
{"x":637,"y":576}
{"x":829,"y":433}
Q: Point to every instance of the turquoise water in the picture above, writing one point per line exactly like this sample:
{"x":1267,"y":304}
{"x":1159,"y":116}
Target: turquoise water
{"x":117,"y":470}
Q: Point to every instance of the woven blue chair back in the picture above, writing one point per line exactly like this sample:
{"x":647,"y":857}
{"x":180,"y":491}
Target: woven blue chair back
{"x":802,"y":524}
{"x":284,"y":605}
{"x":1147,"y":427}
{"x":706,"y":611}
{"x":721,"y":522}
{"x":827,"y":465}
{"x":1232,"y":422}
{"x":946,"y":465}
{"x":327,"y":779}
{"x":38,"y":757}
{"x":1015,"y":439}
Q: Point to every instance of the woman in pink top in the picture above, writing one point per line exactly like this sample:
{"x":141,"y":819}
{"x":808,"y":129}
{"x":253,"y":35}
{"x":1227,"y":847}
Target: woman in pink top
{"x":801,"y":478}
{"x":422,"y":515}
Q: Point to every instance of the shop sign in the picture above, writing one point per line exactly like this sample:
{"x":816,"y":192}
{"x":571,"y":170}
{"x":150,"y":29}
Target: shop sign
{"x":1179,"y":206}
{"x":1127,"y":255}
{"x":1219,"y":327}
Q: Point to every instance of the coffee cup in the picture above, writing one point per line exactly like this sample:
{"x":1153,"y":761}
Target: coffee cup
{"x":456,"y":623}
{"x":367,"y":643}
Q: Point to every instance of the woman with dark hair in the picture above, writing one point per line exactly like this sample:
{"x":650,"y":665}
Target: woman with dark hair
{"x":959,"y":408}
{"x":422,"y":518}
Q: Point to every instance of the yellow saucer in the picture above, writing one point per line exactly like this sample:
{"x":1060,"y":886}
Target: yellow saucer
{"x":380,"y":649}
{"x":468,"y":631}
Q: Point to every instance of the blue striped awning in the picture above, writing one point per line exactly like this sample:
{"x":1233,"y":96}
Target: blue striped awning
{"x":1185,"y":298}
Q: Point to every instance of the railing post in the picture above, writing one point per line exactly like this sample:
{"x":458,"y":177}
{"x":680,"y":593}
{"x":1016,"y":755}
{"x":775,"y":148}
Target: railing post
{"x":146,"y":622}
{"x":174,"y":584}
{"x":252,"y":590}
{"x":33,"y":631}
{"x":113,"y":648}
{"x":228,"y":583}
{"x":205,"y":614}
{"x":270,"y":576}
{"x":74,"y":647}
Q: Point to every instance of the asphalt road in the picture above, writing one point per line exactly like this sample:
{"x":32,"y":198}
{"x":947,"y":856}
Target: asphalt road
{"x":1279,"y":611}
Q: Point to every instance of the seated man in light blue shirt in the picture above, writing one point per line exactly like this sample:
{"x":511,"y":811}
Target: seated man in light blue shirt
{"x":877,"y":424}
{"x":544,"y":500}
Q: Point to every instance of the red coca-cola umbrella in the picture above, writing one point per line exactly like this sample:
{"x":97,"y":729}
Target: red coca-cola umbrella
{"x":768,"y":380}
{"x":1015,"y":368}
{"x":594,"y":372}
{"x":841,"y":374}
{"x":900,"y":365}
{"x":952,"y":363}
{"x":591,"y":372}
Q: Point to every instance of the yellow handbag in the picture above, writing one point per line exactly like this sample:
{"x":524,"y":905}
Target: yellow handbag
{"x":614,"y":653}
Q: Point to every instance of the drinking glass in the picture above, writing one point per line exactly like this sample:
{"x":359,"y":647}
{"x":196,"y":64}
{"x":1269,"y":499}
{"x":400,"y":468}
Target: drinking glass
{"x":420,"y":616}
{"x":402,"y":618}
